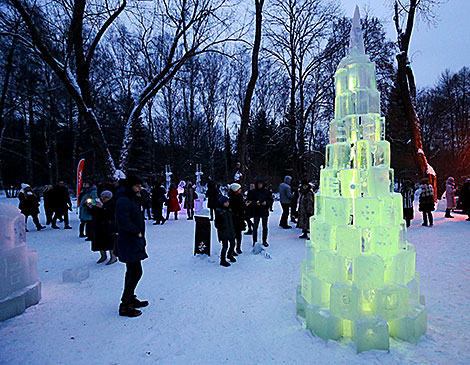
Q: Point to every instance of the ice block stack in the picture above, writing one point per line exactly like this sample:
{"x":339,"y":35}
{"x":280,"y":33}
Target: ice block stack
{"x":20,"y":287}
{"x":358,"y":279}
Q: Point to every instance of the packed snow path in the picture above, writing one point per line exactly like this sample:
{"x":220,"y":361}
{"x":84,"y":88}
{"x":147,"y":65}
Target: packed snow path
{"x":202,"y":313}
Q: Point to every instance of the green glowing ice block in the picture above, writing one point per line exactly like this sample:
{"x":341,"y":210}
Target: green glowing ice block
{"x":358,"y":279}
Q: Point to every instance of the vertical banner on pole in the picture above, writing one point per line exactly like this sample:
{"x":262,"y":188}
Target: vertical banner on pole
{"x":79,"y":178}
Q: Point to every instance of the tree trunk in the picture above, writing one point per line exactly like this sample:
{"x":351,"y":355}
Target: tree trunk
{"x":29,"y":121}
{"x":407,"y":87}
{"x":245,"y":118}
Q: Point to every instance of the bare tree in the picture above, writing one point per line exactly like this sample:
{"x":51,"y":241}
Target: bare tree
{"x":405,"y":13}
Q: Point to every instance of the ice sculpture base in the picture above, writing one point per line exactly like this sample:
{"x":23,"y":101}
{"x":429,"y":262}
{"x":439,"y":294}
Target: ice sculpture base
{"x":17,"y":302}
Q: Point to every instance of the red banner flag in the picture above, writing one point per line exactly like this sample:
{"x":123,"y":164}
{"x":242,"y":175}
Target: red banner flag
{"x":79,"y":179}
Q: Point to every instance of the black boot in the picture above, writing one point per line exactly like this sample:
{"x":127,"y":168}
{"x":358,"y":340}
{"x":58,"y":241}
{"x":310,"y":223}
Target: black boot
{"x":128,"y":311}
{"x":448,"y":214}
{"x":224,"y":263}
{"x":231,"y":258}
{"x":139,"y":303}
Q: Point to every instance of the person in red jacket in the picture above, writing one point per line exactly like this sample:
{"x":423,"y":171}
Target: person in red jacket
{"x":173,"y":203}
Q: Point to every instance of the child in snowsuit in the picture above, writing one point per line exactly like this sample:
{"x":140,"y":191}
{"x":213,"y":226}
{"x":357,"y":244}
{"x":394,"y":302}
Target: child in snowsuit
{"x":225,"y":231}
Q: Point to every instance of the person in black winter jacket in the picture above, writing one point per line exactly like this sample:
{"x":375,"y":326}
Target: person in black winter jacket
{"x":213,"y":195}
{"x":62,"y":205}
{"x":464,"y":198}
{"x":225,"y":231}
{"x":259,"y":200}
{"x":130,"y":244}
{"x":237,"y":205}
{"x":29,"y":206}
{"x":158,"y":199}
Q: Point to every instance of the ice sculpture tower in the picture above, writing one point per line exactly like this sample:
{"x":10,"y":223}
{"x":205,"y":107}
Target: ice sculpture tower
{"x":358,"y":279}
{"x":20,"y":287}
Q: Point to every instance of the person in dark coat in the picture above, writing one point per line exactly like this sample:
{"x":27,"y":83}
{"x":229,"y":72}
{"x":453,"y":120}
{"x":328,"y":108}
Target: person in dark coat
{"x":158,"y":199}
{"x":62,"y":205}
{"x":259,"y":200}
{"x":294,"y":213}
{"x":173,"y":202}
{"x":189,"y":196}
{"x":146,"y":203}
{"x":48,"y":199}
{"x":213,"y":195}
{"x":130,"y":244}
{"x":306,"y":201}
{"x":426,"y":202}
{"x":225,"y":231}
{"x":104,"y":227}
{"x":29,"y":206}
{"x":464,"y":198}
{"x":408,"y":196}
{"x":237,"y":205}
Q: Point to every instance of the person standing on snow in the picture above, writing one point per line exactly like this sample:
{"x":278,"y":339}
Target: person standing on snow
{"x":62,"y":204}
{"x":48,"y":199}
{"x":464,"y":197}
{"x":130,"y":244}
{"x":158,"y":199}
{"x":225,"y":231}
{"x":285,"y":196}
{"x":408,"y":196}
{"x":213,"y":195}
{"x":173,"y":204}
{"x":104,"y":227}
{"x":259,"y":199}
{"x":29,"y":206}
{"x":450,"y":196}
{"x":237,"y":205}
{"x":306,"y":202}
{"x":426,"y":201}
{"x":88,"y":195}
{"x":190,"y":196}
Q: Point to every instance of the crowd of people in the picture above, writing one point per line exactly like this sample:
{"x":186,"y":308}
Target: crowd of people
{"x":112,"y":216}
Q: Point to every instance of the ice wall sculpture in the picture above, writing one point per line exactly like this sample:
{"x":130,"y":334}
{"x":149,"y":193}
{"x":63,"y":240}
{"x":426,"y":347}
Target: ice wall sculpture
{"x":20,"y":287}
{"x":358,"y":279}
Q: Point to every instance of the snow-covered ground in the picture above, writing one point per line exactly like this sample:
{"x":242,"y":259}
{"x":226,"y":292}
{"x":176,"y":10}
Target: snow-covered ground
{"x":202,"y":313}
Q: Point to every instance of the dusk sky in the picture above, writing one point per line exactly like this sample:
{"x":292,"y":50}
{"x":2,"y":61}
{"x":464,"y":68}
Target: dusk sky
{"x":433,"y":49}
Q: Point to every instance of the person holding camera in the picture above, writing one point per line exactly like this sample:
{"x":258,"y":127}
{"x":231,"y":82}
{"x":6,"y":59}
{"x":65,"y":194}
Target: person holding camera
{"x":88,"y":197}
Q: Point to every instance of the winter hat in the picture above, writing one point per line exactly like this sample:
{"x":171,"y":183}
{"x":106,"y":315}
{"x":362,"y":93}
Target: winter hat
{"x":106,"y":194}
{"x":450,"y":179}
{"x":24,"y":186}
{"x":235,"y":187}
{"x":133,"y":180}
{"x":223,"y":200}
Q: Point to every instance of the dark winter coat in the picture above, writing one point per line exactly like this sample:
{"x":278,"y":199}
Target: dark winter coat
{"x":408,"y":197}
{"x":237,"y":206}
{"x":48,"y":198}
{"x":257,"y":197}
{"x":145,"y":201}
{"x":213,"y":195}
{"x":173,"y":203}
{"x":130,"y":222}
{"x":306,"y":202}
{"x":189,"y":197}
{"x":29,"y":204}
{"x":104,"y":227}
{"x":61,"y":199}
{"x":426,"y":198}
{"x":464,"y":197}
{"x":224,"y":224}
{"x":158,"y":196}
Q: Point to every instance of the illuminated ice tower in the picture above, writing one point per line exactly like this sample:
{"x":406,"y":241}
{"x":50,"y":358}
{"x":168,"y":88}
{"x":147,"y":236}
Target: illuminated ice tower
{"x":358,"y":279}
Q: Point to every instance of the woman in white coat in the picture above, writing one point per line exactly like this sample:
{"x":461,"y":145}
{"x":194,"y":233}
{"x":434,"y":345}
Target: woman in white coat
{"x":450,"y":196}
